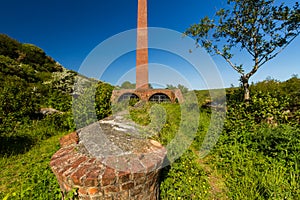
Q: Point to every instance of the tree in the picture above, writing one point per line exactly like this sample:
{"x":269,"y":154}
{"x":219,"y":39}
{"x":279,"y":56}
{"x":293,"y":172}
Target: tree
{"x":256,"y":27}
{"x":171,"y":87}
{"x":182,"y":88}
{"x":128,"y":85}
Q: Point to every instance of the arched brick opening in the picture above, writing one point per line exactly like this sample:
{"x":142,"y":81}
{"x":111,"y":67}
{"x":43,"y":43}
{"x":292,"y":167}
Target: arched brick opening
{"x":159,"y":98}
{"x":128,"y":96}
{"x":145,"y":95}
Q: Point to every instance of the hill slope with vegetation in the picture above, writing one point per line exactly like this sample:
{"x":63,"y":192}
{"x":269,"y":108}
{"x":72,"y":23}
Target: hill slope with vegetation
{"x":32,"y":84}
{"x":36,"y":95}
{"x":28,"y":83}
{"x":256,"y":156}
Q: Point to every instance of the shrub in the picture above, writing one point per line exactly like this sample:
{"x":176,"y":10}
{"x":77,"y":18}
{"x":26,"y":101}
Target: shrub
{"x":92,"y":103}
{"x":103,"y":99}
{"x":17,"y":103}
{"x":263,"y":108}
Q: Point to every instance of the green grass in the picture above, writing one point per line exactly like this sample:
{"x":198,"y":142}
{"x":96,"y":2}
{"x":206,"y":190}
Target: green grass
{"x":260,"y":162}
{"x":185,"y":178}
{"x":253,"y":172}
{"x":25,"y":158}
{"x":28,"y":175}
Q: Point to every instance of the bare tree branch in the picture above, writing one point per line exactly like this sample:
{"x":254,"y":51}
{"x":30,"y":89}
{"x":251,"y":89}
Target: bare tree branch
{"x":273,"y":56}
{"x":228,"y":60}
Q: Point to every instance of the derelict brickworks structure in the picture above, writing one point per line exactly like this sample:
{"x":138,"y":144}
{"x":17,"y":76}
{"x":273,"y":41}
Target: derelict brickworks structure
{"x":142,"y":47}
{"x":142,"y":90}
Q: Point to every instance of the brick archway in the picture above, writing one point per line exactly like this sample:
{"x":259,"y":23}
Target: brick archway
{"x":159,"y":98}
{"x":146,"y":94}
{"x":128,"y":96}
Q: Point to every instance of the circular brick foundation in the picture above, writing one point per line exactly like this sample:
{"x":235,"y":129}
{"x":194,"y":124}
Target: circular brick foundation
{"x":133,"y":174}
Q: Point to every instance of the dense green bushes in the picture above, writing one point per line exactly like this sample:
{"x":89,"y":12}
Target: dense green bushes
{"x":102,"y":100}
{"x":9,"y":47}
{"x":24,"y":72}
{"x":27,"y":54}
{"x":18,"y":103}
{"x":272,"y":102}
{"x":258,"y":152}
{"x":259,"y":164}
{"x":31,"y":80}
{"x":92,"y":103}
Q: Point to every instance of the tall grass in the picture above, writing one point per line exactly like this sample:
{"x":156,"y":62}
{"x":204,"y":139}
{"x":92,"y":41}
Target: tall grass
{"x":253,"y":161}
{"x":28,"y":175}
{"x":25,"y":158}
{"x":252,"y":172}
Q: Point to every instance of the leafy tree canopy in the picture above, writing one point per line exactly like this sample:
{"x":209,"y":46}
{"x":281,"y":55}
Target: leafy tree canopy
{"x":182,"y":88}
{"x":128,"y":85}
{"x":257,"y":27}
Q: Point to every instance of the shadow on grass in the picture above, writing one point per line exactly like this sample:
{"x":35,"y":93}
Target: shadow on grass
{"x":12,"y":145}
{"x":164,"y":171}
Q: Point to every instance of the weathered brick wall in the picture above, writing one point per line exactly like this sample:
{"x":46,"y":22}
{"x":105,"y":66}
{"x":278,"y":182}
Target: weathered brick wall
{"x":97,"y":179}
{"x":145,"y":94}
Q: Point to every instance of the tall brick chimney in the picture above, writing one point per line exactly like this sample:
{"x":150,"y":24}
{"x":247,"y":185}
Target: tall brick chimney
{"x":142,"y":90}
{"x":142,"y":81}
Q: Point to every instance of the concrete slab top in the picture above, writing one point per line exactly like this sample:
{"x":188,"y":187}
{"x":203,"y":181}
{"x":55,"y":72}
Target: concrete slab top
{"x":115,"y":136}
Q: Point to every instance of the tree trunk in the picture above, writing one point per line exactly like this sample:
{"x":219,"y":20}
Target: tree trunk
{"x":245,"y":82}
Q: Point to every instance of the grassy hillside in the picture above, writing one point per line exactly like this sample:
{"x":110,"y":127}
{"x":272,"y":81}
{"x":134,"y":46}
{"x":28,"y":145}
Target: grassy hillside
{"x":29,"y":81}
{"x":31,"y":85}
{"x":256,"y":156}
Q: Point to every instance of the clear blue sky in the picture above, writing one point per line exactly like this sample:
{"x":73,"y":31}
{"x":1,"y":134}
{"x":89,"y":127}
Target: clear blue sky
{"x":68,"y":30}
